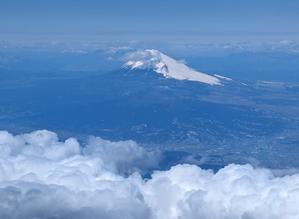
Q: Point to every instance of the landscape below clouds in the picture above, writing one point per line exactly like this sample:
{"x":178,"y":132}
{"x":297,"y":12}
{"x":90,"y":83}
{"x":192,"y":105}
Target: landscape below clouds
{"x":129,"y":109}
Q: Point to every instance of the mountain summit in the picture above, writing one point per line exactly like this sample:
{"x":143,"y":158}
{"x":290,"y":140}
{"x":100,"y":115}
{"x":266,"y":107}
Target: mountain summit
{"x":169,"y":67}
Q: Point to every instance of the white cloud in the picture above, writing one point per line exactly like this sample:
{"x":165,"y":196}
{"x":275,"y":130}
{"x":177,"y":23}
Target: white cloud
{"x":122,"y":156}
{"x":42,"y":177}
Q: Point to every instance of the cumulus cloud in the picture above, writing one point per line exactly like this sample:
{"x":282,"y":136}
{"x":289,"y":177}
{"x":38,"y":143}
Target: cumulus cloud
{"x":43,"y":177}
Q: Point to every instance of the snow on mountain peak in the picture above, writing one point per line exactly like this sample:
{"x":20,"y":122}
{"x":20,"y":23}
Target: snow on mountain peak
{"x":168,"y":67}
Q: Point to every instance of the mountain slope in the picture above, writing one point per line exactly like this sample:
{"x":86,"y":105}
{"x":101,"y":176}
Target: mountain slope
{"x":169,"y":67}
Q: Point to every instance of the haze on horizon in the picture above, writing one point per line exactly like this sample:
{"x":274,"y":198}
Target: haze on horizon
{"x":149,"y":20}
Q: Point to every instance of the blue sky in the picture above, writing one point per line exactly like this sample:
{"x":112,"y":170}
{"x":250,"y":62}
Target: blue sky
{"x":145,"y":19}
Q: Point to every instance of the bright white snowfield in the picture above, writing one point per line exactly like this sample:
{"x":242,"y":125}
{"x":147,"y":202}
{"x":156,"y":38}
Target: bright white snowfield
{"x":168,"y":67}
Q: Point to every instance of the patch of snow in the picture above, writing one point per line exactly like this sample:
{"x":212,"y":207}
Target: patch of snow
{"x":222,"y":77}
{"x":168,"y":67}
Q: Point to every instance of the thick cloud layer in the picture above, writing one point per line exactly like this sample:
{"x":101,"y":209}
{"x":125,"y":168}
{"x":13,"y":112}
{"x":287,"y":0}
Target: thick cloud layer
{"x":42,"y":177}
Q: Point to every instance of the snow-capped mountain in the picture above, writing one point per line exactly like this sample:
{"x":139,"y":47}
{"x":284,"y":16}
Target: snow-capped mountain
{"x":169,"y":67}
